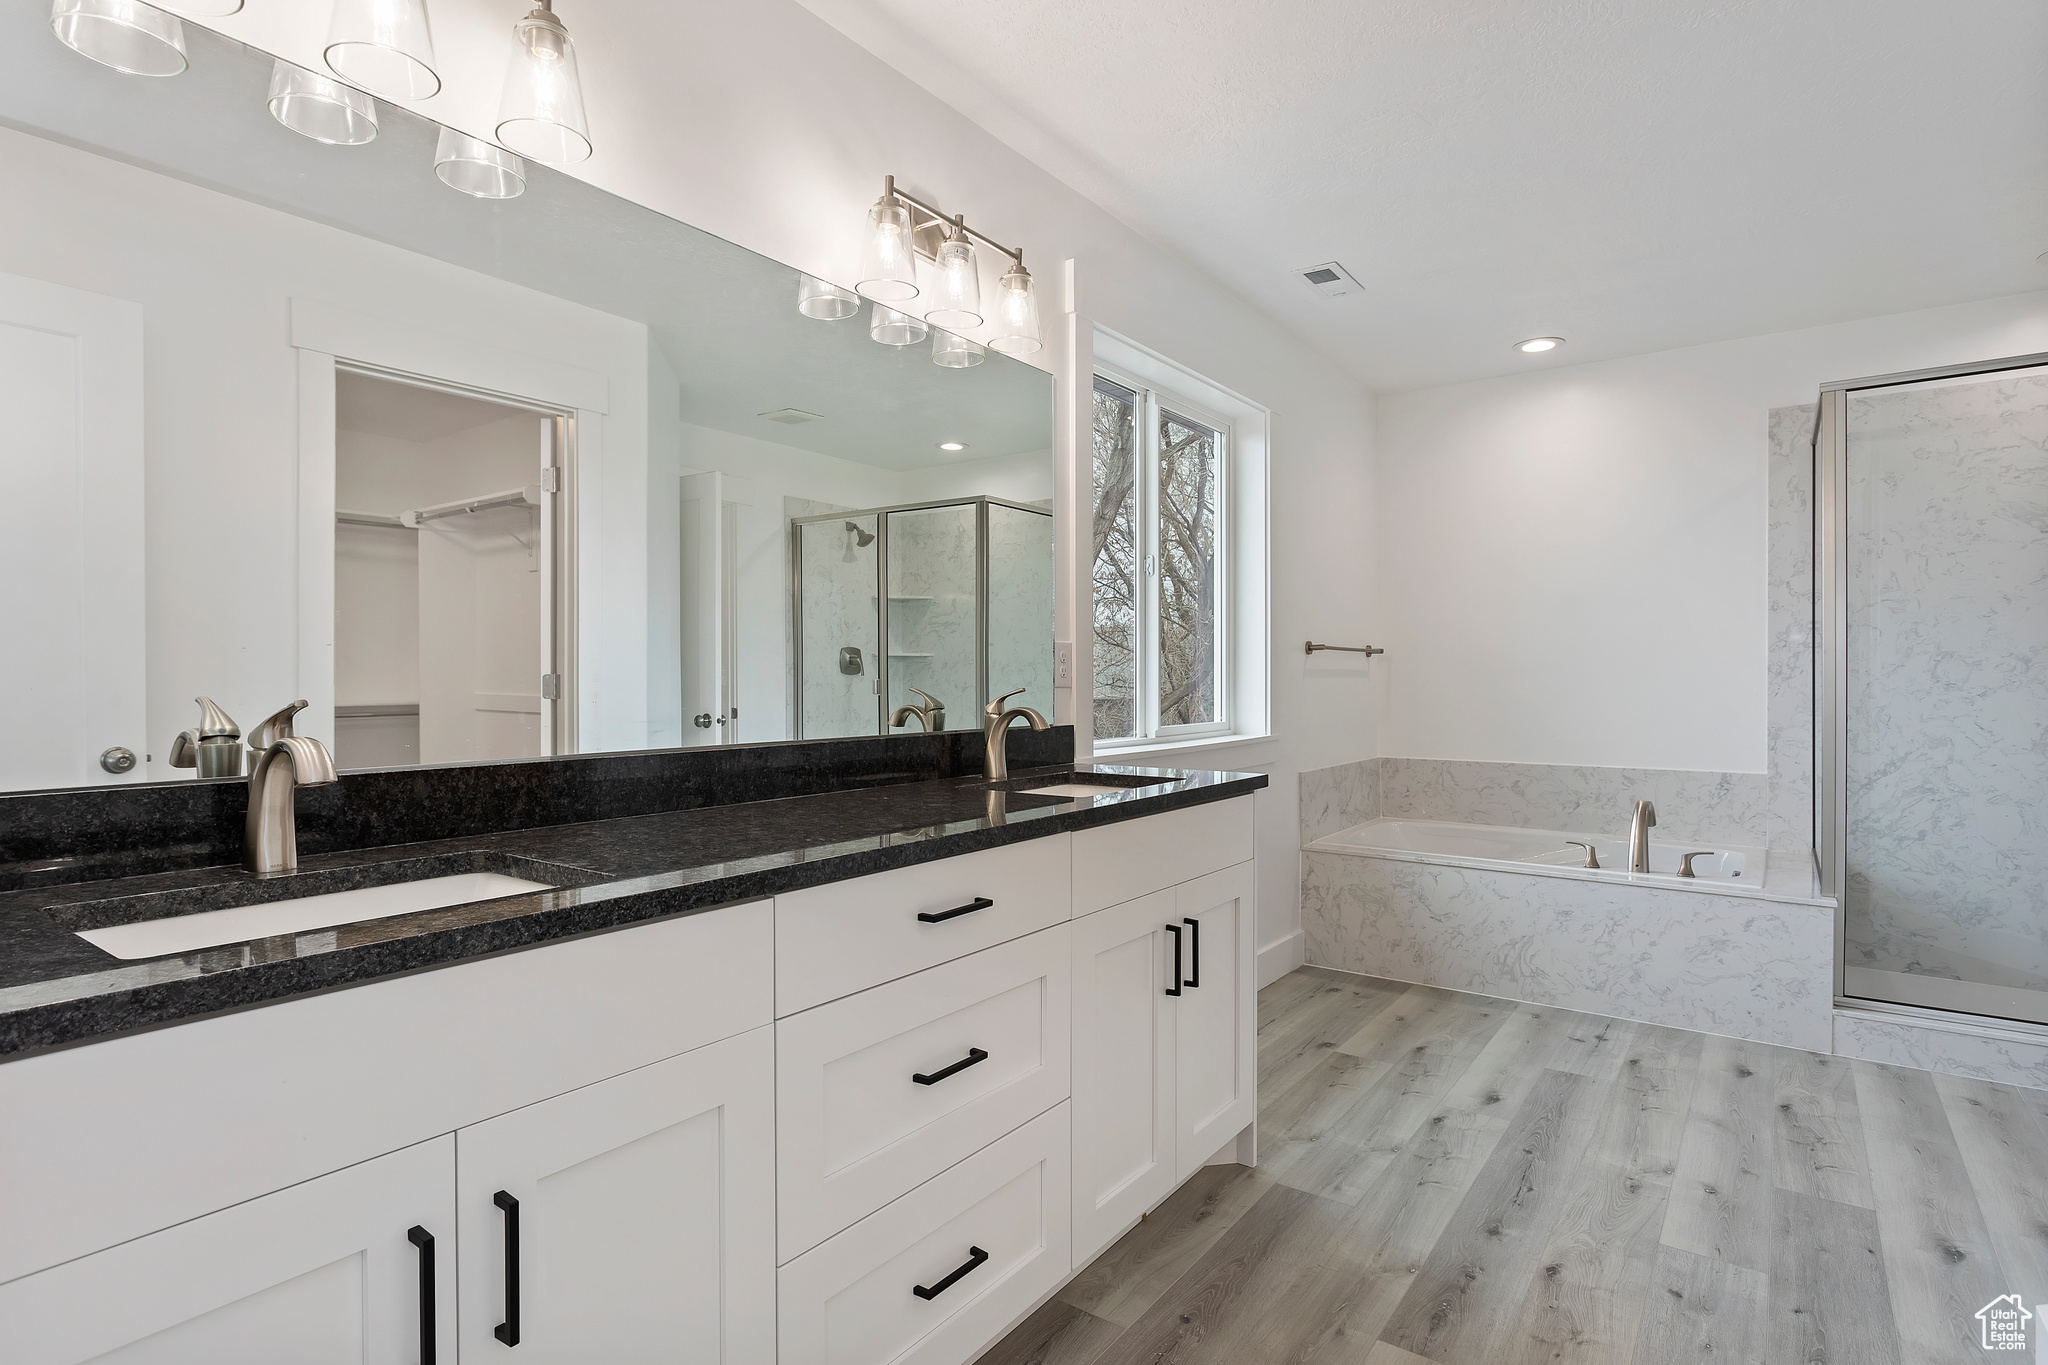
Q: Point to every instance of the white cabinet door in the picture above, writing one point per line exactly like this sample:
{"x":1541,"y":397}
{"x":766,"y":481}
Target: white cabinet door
{"x":71,"y":536}
{"x":1215,"y":1016}
{"x":322,"y":1273}
{"x":632,"y":1220}
{"x":1123,"y":1068}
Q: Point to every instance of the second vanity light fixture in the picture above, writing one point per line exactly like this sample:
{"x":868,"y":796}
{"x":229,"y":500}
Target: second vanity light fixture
{"x":900,"y":229}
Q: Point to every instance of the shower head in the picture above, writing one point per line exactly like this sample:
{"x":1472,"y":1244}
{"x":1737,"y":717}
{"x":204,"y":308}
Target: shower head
{"x":861,"y":539}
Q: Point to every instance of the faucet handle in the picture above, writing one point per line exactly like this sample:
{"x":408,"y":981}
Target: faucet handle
{"x":995,"y":708}
{"x":1592,"y":858}
{"x":931,"y":702}
{"x":1685,"y":863}
{"x":275,"y":727}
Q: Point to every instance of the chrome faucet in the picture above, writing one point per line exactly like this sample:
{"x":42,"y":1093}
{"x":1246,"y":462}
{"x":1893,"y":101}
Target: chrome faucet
{"x":1639,"y":837}
{"x":931,"y":717}
{"x":286,"y":762}
{"x":996,"y":767}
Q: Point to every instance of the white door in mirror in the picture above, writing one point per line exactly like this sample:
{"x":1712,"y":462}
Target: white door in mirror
{"x":71,"y":526}
{"x":212,"y":928}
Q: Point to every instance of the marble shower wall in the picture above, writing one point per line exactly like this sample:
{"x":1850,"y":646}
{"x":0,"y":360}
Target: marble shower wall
{"x":1947,"y":504}
{"x":1020,"y":621}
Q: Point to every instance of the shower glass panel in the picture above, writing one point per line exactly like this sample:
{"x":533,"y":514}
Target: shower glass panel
{"x":956,"y":595}
{"x":1944,"y":693}
{"x":934,"y":583}
{"x":839,"y":629}
{"x":1020,"y":603}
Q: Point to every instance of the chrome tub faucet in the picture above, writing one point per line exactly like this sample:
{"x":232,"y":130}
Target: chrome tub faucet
{"x":1639,"y":837}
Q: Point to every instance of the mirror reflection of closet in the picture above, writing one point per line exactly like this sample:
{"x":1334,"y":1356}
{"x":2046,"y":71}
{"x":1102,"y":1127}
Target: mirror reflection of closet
{"x":442,"y":551}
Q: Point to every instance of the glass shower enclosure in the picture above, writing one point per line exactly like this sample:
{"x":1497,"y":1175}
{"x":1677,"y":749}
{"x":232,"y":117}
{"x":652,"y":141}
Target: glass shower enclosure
{"x":1932,"y":715}
{"x":952,"y":599}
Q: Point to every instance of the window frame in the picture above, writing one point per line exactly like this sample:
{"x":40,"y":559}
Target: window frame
{"x":1152,"y":403}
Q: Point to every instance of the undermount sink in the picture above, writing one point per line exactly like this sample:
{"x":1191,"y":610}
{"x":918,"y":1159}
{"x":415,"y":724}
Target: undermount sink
{"x":162,"y":923}
{"x":1078,"y":784}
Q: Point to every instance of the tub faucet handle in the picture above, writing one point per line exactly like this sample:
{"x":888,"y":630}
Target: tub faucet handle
{"x":1592,"y":857}
{"x":1685,"y":863}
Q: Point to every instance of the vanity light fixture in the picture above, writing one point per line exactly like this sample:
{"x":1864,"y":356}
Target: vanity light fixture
{"x":956,"y":352}
{"x":541,"y":113}
{"x":892,"y":328}
{"x":475,"y":167}
{"x":1538,"y":345}
{"x":952,"y":446}
{"x":205,"y":9}
{"x":384,"y":47}
{"x":825,"y":302}
{"x":320,"y":107}
{"x":133,"y":38}
{"x":902,"y":227}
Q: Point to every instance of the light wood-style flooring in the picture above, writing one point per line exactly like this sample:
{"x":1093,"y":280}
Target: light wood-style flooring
{"x":1452,"y":1178}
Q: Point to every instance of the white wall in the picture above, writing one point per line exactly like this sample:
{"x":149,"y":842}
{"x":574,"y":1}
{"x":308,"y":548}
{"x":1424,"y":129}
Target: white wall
{"x":1572,"y":560}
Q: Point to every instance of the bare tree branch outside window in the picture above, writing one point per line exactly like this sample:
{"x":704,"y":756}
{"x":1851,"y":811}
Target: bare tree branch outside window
{"x":1189,"y":456}
{"x":1115,"y":559}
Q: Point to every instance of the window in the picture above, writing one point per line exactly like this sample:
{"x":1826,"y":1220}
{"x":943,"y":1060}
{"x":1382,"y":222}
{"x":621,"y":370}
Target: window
{"x":1160,"y":565}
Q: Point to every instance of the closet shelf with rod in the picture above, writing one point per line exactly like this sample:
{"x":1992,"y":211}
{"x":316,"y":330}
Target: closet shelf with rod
{"x":410,"y":521}
{"x":1310,"y":647}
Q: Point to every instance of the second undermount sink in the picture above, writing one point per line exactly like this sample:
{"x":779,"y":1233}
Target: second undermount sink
{"x":1075,"y":784}
{"x":159,"y":924}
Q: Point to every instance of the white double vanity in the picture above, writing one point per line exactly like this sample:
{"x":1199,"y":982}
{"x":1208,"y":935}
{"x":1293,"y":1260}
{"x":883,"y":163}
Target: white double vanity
{"x":874,"y":1120}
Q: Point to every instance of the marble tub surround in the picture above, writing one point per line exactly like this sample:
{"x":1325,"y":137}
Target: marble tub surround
{"x":56,"y":989}
{"x":1985,"y":1050}
{"x":1339,"y":797}
{"x":55,"y":837}
{"x":1727,"y":964}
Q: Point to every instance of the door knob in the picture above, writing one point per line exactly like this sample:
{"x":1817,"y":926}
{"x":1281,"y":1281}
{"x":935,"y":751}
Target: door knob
{"x":118,"y":759}
{"x":702,"y":721}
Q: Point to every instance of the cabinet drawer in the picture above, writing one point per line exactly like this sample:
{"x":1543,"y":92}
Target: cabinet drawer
{"x":834,"y":940}
{"x":857,"y":1128}
{"x":238,"y":1105}
{"x":1116,"y":863}
{"x":853,"y":1300}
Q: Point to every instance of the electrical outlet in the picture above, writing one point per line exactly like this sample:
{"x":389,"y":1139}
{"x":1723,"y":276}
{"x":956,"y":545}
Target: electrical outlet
{"x":1063,"y":663}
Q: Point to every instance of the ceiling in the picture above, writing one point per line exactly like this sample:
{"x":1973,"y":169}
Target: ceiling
{"x":407,"y":412}
{"x":1632,"y":175}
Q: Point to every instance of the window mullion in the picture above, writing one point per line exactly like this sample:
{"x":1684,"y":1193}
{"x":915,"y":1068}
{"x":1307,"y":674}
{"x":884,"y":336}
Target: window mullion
{"x":1148,"y":507}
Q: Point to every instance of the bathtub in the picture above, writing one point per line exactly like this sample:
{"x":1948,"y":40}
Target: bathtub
{"x":1723,"y":867}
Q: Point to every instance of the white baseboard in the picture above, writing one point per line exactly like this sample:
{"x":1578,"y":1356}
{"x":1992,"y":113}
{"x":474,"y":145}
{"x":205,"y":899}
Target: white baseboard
{"x":1282,"y":956}
{"x":1986,"y":1051}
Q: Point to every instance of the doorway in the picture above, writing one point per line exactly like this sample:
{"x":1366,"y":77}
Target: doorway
{"x":447,"y":626}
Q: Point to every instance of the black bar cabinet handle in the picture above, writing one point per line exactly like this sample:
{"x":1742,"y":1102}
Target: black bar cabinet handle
{"x":974,"y":1054}
{"x":978,"y":903}
{"x":975,"y":1256}
{"x":424,"y":1240}
{"x":1194,"y":951}
{"x":1174,"y":929}
{"x":508,"y":1330}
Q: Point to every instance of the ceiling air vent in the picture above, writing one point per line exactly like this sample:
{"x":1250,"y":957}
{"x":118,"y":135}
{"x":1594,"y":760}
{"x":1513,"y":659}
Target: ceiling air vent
{"x":791,"y":416}
{"x":1329,"y":279}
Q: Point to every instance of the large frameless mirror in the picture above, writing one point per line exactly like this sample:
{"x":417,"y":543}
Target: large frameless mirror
{"x":313,"y":398}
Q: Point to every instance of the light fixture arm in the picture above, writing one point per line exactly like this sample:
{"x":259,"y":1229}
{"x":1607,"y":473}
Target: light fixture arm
{"x":936,"y":224}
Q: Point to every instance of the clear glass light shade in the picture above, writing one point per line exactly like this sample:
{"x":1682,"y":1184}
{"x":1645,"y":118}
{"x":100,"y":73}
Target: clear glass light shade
{"x":825,"y":302}
{"x":892,"y":328}
{"x":477,"y":168}
{"x":956,"y":352}
{"x":958,"y":304}
{"x":127,"y":35}
{"x":888,"y":260}
{"x":384,"y":47}
{"x":1016,"y":315}
{"x":541,"y":112}
{"x":320,"y":107}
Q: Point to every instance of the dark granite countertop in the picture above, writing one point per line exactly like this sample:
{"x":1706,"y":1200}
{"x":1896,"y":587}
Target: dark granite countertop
{"x":57,"y":989}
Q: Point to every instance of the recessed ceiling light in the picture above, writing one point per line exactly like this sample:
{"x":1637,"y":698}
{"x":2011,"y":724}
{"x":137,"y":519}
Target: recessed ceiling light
{"x":1537,"y":345}
{"x":952,"y":445}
